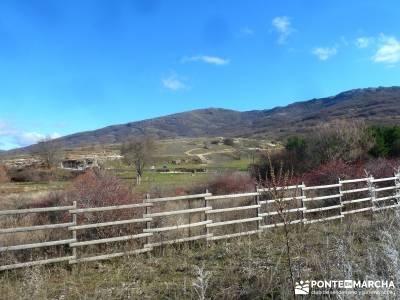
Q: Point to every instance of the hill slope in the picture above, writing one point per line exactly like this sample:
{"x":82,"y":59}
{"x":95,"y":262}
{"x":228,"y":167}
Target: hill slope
{"x":375,"y":105}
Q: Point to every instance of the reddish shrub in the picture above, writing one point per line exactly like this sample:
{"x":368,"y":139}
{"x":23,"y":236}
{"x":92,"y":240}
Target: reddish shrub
{"x":3,"y":174}
{"x":93,"y":189}
{"x":232,"y":183}
{"x":330,"y":172}
{"x":97,"y":189}
{"x":382,"y":167}
{"x":180,"y":192}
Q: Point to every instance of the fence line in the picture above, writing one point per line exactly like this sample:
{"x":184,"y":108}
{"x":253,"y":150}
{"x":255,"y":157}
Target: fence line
{"x":257,"y":211}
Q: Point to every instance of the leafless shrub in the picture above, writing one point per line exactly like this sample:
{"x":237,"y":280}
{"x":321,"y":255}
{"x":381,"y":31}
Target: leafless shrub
{"x":342,"y":139}
{"x":381,"y":167}
{"x":200,"y":285}
{"x":329,"y":172}
{"x":231,"y":183}
{"x":94,"y":189}
{"x":276,"y":188}
{"x":3,"y":174}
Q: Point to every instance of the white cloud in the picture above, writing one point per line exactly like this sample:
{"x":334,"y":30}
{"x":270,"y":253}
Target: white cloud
{"x":29,"y":138}
{"x":324,"y":53}
{"x":173,"y":83}
{"x":11,"y":137}
{"x":388,"y":51}
{"x":364,"y":42}
{"x":214,"y":60}
{"x":246,"y":31}
{"x":284,"y":27}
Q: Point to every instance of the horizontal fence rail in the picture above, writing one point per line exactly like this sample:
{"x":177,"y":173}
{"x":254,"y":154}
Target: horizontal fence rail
{"x":202,"y":217}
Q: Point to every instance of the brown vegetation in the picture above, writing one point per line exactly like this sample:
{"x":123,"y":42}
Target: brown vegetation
{"x":3,"y":174}
{"x":244,"y":268}
{"x":336,"y":150}
{"x":231,"y":183}
{"x":32,"y":174}
{"x":99,"y":188}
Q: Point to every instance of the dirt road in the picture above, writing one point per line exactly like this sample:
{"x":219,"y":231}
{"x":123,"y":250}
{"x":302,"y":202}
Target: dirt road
{"x":202,"y":156}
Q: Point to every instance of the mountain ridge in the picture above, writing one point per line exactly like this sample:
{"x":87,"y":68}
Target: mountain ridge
{"x":374,"y":105}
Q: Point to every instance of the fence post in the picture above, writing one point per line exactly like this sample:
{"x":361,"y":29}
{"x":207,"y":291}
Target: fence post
{"x":206,"y":216}
{"x":340,"y":200}
{"x":257,"y":202}
{"x":148,"y":223}
{"x":303,"y":206}
{"x":75,"y":223}
{"x":397,"y":183}
{"x":190,"y":219}
{"x":372,"y":194}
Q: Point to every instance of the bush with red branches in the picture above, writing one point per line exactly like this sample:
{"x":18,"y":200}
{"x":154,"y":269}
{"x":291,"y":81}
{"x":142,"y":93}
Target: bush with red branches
{"x":232,"y":183}
{"x":382,"y":167}
{"x":329,"y":173}
{"x":93,"y":189}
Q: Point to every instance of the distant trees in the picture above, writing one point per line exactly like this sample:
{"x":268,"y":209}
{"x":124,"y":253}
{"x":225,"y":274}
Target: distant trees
{"x":387,"y":141}
{"x":138,"y":152}
{"x":228,"y":142}
{"x":48,"y":150}
{"x":297,"y":147}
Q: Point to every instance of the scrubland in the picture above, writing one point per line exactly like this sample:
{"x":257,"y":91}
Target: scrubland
{"x":242,"y":268}
{"x":265,"y":266}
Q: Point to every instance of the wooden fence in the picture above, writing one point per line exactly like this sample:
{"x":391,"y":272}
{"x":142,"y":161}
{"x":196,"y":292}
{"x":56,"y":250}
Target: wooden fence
{"x":179,"y":219}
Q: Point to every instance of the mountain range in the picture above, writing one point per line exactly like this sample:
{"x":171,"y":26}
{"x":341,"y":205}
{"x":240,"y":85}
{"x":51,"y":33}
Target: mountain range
{"x":374,"y":105}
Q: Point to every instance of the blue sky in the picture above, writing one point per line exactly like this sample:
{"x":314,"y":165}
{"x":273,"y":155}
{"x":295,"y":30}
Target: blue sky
{"x":70,"y":66}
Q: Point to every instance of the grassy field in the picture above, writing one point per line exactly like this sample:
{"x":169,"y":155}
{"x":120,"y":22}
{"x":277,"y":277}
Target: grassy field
{"x":153,"y":180}
{"x":29,"y":187}
{"x":170,"y":150}
{"x":243,"y":268}
{"x":219,"y":159}
{"x":17,"y":194}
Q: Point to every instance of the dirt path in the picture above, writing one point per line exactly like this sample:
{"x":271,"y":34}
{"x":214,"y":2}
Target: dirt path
{"x":202,"y":156}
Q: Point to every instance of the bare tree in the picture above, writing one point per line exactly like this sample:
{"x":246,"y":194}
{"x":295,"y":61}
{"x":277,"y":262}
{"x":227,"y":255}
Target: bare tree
{"x":49,"y":151}
{"x":137,"y":152}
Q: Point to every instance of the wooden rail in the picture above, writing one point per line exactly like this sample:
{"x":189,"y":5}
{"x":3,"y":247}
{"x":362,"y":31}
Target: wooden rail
{"x":258,"y":211}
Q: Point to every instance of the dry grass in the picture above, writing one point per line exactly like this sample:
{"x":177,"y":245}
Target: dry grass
{"x":245,"y":268}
